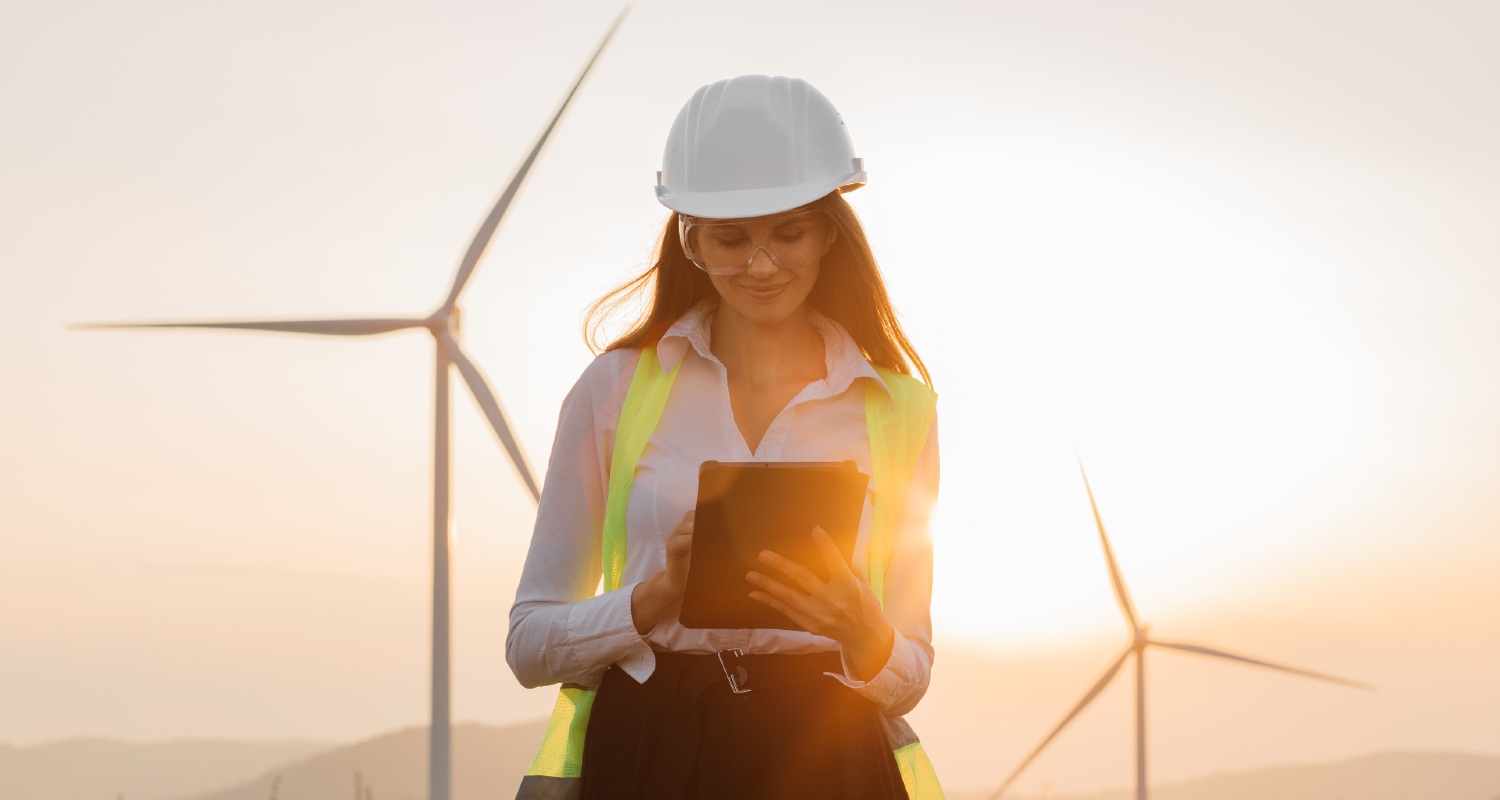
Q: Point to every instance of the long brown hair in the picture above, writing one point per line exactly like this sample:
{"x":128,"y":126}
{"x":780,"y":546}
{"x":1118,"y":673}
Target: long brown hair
{"x":849,"y":291}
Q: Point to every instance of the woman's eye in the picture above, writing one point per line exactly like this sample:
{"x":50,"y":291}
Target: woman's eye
{"x":729,"y":241}
{"x":790,"y":237}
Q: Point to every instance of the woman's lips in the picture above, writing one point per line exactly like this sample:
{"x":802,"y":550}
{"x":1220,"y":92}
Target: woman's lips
{"x":764,"y":292}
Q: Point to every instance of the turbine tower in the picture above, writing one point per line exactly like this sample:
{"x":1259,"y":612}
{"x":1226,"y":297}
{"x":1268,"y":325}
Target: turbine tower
{"x":443,"y":325}
{"x":1140,"y":640}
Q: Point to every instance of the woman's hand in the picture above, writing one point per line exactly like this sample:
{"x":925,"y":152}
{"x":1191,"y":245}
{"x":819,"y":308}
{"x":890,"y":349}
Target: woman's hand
{"x":843,"y":608}
{"x":659,"y":595}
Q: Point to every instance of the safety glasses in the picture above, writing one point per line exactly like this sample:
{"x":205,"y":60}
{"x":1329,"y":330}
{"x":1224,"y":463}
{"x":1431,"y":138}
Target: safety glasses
{"x":792,"y":239}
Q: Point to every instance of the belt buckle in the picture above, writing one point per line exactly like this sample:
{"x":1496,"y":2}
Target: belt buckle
{"x":735,"y":673}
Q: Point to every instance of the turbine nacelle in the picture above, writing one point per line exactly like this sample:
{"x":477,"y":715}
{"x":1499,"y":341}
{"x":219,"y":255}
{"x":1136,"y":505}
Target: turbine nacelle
{"x":444,"y":319}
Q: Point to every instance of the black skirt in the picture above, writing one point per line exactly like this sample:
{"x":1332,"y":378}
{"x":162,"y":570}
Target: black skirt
{"x":686,"y":735}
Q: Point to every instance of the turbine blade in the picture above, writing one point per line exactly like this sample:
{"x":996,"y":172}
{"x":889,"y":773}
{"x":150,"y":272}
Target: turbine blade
{"x":1093,"y":692}
{"x":324,"y":327}
{"x":1121,"y":594}
{"x":492,"y":411}
{"x":1208,"y":651}
{"x":492,"y":222}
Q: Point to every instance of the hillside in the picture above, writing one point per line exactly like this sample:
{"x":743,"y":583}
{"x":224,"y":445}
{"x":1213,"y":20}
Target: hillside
{"x":487,"y":763}
{"x":1384,"y":776}
{"x":102,"y":769}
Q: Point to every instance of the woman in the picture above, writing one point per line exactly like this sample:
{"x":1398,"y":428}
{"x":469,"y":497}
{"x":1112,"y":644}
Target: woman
{"x":768,"y":337}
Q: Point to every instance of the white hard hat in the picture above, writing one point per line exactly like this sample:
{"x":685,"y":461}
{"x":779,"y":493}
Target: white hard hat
{"x":755,"y":145}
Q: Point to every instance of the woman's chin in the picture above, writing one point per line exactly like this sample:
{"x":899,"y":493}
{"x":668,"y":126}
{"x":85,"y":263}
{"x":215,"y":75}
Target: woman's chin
{"x":765,"y":313}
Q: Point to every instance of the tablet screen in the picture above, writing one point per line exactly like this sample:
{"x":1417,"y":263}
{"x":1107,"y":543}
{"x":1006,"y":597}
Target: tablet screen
{"x":746,"y":507}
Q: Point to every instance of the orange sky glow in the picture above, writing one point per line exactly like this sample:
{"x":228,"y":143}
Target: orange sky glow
{"x":1241,"y":262}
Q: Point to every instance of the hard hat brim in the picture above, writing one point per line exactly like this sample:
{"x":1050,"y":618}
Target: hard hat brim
{"x":741,"y":203}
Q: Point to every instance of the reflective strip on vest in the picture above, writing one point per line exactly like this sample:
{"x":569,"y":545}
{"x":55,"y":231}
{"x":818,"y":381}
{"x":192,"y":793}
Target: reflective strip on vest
{"x":644,"y":402}
{"x":898,"y":420}
{"x":897,"y":425}
{"x":561,"y":755}
{"x":917,"y":774}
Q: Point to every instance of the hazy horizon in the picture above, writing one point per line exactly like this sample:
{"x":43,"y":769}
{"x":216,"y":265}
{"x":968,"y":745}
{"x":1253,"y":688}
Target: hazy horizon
{"x":490,"y":760}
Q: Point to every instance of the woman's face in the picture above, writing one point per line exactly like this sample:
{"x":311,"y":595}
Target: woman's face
{"x":780,"y":256}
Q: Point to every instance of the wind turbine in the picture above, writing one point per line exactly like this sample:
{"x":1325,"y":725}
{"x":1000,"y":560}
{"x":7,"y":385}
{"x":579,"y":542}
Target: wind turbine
{"x":1140,"y":640}
{"x":444,"y":326}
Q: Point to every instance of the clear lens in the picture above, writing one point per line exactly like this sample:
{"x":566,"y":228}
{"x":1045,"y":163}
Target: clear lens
{"x":793,"y":240}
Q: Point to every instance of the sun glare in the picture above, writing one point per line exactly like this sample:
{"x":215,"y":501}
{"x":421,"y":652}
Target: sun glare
{"x":1182,"y":348}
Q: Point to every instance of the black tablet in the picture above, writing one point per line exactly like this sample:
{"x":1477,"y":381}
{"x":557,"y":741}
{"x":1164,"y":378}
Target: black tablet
{"x":747,"y":507}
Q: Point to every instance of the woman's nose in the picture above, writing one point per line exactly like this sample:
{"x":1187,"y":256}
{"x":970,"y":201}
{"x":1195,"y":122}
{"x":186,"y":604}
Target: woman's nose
{"x":761,"y":263}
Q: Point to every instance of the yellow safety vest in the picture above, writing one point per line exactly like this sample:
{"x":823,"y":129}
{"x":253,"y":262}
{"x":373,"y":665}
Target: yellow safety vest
{"x":897,"y":428}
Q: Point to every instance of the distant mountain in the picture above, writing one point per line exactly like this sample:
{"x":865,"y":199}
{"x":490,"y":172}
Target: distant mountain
{"x":488,"y":762}
{"x":101,"y":769}
{"x":1384,"y":776}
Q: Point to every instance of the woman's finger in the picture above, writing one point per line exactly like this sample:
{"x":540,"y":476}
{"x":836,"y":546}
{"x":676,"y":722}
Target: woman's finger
{"x":791,"y":613}
{"x":809,"y":612}
{"x":831,"y":555}
{"x":781,"y":591}
{"x":799,"y":574}
{"x":679,"y":553}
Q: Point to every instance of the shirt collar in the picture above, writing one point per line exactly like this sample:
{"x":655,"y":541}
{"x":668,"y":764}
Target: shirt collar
{"x":842,"y":359}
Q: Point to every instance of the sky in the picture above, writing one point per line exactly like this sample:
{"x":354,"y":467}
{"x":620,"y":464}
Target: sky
{"x":1241,"y":260}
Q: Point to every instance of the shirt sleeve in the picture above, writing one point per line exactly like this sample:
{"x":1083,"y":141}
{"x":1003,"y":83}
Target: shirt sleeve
{"x":908,"y":586}
{"x":561,"y":629}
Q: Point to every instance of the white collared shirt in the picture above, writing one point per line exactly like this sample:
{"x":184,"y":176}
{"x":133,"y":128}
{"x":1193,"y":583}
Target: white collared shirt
{"x":563,"y":631}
